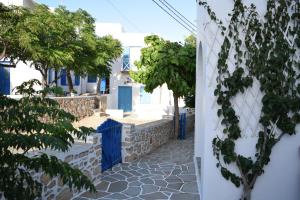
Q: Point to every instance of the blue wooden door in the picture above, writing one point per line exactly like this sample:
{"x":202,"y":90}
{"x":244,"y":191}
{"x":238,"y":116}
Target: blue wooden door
{"x":111,"y":143}
{"x":4,"y":81}
{"x":125,"y":98}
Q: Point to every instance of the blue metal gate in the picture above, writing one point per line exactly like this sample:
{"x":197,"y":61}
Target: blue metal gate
{"x":111,"y":143}
{"x":4,"y":80}
{"x":182,"y":125}
{"x":125,"y":98}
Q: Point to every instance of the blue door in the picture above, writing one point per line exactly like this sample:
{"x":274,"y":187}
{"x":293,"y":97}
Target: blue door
{"x":125,"y":98}
{"x":4,"y":81}
{"x":111,"y":143}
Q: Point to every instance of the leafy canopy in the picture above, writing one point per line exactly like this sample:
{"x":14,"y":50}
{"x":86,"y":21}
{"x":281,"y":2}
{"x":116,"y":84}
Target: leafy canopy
{"x":9,"y":36}
{"x":167,"y":62}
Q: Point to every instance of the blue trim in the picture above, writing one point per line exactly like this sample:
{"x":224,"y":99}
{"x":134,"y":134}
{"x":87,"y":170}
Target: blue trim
{"x":92,"y":78}
{"x":126,"y":59}
{"x":77,"y":80}
{"x":50,"y":77}
{"x":103,"y":85}
{"x":63,"y":78}
{"x":4,"y":80}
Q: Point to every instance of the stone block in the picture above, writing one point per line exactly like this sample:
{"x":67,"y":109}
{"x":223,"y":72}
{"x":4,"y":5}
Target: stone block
{"x":45,"y":179}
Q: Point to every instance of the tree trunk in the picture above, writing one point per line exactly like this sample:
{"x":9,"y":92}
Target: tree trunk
{"x":98,"y":86}
{"x":176,"y":115}
{"x":246,"y":193}
{"x":44,"y":78}
{"x":69,"y":78}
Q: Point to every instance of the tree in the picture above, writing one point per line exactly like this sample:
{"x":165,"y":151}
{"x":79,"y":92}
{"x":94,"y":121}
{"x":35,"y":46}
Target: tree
{"x":83,"y":44}
{"x":165,"y":62}
{"x":22,"y":130}
{"x":9,"y":35}
{"x":45,"y":36}
{"x":107,"y":50}
{"x":190,"y":76}
{"x":263,"y":52}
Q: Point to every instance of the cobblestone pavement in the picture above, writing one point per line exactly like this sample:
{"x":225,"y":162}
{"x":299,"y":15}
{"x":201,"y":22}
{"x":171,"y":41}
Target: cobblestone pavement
{"x":167,"y":173}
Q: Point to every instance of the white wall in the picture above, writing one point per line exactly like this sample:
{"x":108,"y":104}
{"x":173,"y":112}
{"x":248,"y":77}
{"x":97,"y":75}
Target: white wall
{"x":22,"y":73}
{"x":161,"y":98}
{"x":25,"y":3}
{"x":281,"y":179}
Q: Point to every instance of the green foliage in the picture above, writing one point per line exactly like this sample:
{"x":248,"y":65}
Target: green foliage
{"x":54,"y":90}
{"x":46,"y":37}
{"x":170,"y":63}
{"x":35,"y":123}
{"x":167,"y":62}
{"x":107,"y":50}
{"x":270,"y":58}
{"x":9,"y":36}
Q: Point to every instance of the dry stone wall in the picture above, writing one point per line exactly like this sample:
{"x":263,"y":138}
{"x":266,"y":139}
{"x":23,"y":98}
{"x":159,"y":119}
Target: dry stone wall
{"x":82,"y":106}
{"x":142,"y":139}
{"x":79,"y":106}
{"x":84,"y":156}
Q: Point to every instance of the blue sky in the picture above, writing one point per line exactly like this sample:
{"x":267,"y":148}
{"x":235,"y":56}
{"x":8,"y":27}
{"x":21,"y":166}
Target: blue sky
{"x":146,"y":16}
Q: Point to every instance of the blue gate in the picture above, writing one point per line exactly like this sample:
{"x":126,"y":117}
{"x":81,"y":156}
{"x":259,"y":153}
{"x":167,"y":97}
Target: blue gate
{"x":4,"y":80}
{"x":111,"y":143}
{"x":182,"y":125}
{"x":125,"y":98}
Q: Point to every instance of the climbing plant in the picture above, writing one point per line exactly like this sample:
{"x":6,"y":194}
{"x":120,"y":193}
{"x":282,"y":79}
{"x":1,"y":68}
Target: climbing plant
{"x":266,"y":50}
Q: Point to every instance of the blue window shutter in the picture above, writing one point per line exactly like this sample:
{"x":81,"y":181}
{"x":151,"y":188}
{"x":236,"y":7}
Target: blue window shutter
{"x":92,"y":78}
{"x":4,"y":80}
{"x":77,"y":80}
{"x":50,"y":78}
{"x":145,"y":97}
{"x":63,"y":78}
{"x":103,"y":85}
{"x":126,"y":59}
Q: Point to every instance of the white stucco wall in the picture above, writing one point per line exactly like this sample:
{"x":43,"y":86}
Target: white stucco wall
{"x":25,"y":3}
{"x":281,"y":179}
{"x":22,"y":73}
{"x":161,"y":98}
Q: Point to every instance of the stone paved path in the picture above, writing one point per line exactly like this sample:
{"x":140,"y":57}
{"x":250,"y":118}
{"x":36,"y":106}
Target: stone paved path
{"x":167,"y":173}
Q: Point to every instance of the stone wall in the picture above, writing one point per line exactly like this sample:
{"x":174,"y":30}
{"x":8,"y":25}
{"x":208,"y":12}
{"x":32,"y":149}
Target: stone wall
{"x":79,"y":106}
{"x":190,"y":124}
{"x":84,"y":156}
{"x":142,"y":139}
{"x":101,"y":103}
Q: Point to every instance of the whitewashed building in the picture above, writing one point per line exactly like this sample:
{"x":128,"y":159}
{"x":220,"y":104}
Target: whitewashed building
{"x":13,"y":76}
{"x":281,"y":179}
{"x":122,"y":93}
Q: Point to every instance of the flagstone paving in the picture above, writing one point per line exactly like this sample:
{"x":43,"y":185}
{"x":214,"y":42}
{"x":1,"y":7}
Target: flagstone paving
{"x":167,"y":173}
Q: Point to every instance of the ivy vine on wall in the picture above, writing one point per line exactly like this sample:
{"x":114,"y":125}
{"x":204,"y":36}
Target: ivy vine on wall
{"x":266,"y":49}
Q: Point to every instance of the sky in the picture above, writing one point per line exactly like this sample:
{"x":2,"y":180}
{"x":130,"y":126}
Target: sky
{"x":140,"y":15}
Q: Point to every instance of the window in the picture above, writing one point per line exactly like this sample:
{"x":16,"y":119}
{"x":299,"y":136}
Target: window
{"x":103,"y":86}
{"x":77,"y":80}
{"x":145,"y":97}
{"x":63,"y":78}
{"x":126,"y":59}
{"x":50,"y":78}
{"x":92,"y":78}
